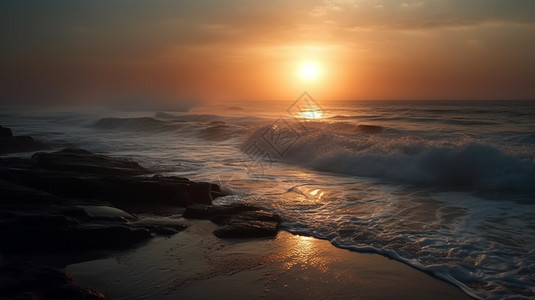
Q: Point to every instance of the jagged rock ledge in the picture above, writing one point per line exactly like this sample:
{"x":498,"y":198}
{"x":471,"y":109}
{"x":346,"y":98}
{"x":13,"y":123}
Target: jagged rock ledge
{"x":11,"y":144}
{"x":237,"y":221}
{"x":75,"y":201}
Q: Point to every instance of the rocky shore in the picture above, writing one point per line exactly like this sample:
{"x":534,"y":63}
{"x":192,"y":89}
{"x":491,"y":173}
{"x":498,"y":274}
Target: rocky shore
{"x":73,"y":205}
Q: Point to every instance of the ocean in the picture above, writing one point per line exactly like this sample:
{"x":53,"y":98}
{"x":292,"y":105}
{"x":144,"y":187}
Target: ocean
{"x":447,"y":187}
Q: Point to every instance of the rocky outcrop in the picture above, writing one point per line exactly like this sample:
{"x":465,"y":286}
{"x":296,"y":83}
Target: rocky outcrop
{"x":237,"y":221}
{"x":11,"y":144}
{"x":369,"y":128}
{"x":76,"y":173}
{"x":68,"y":228}
{"x":64,"y":201}
{"x":35,"y":281}
{"x":83,"y":161}
{"x":69,"y":202}
{"x":5,"y":132}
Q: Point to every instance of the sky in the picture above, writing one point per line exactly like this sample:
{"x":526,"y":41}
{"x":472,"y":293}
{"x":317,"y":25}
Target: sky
{"x":90,"y":51}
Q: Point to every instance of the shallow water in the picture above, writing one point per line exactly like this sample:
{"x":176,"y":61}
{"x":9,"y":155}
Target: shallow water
{"x":445,"y":186}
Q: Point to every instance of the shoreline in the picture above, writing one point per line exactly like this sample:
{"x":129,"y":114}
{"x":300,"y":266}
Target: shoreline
{"x":196,"y":264}
{"x":154,"y":256}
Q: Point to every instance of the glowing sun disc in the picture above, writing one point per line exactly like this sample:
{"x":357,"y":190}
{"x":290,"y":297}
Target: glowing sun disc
{"x":309,"y":71}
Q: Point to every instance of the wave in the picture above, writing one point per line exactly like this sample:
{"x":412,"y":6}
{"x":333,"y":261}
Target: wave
{"x":464,"y":163}
{"x":189,"y":117}
{"x":217,"y":131}
{"x":133,"y":124}
{"x":164,"y":115}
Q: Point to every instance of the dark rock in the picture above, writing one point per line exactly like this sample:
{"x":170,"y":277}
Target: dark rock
{"x":82,"y":161}
{"x":13,"y":194}
{"x":14,"y":163}
{"x":12,"y":144}
{"x":162,"y":229}
{"x":31,"y":277}
{"x":77,"y":173}
{"x":5,"y":132}
{"x":245,"y":228}
{"x":200,"y":211}
{"x":200,"y":192}
{"x":156,"y":190}
{"x":34,"y":281}
{"x":75,"y":212}
{"x":256,"y":215}
{"x":44,"y":221}
{"x":108,"y":213}
{"x":160,"y":225}
{"x":35,"y":232}
{"x":19,"y":144}
{"x":72,"y":292}
{"x":215,"y":191}
{"x":120,"y":190}
{"x":238,"y":221}
{"x":44,"y":233}
{"x":106,"y":236}
{"x":369,"y":128}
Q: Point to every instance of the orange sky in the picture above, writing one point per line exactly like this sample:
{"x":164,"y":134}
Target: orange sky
{"x":71,"y":51}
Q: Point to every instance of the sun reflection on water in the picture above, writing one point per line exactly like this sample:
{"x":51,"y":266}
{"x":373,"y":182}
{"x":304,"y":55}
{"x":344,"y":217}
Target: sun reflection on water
{"x":312,"y":114}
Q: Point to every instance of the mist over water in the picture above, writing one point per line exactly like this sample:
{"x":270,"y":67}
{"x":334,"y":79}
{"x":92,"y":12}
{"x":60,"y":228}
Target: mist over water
{"x":445,"y":186}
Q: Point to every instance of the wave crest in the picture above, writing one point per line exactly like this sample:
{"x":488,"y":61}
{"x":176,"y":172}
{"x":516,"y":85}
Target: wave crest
{"x":465,"y":163}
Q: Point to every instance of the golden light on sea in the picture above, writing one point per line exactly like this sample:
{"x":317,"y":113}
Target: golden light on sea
{"x":312,"y":114}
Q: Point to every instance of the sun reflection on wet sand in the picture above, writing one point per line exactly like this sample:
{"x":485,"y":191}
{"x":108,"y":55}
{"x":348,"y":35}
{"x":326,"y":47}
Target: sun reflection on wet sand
{"x":195,"y":264}
{"x":302,"y":254}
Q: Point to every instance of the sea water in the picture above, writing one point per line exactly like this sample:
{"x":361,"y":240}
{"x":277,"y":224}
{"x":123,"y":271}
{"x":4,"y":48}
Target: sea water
{"x":447,"y":187}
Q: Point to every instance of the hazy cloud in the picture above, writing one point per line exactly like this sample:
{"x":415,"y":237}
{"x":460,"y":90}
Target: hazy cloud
{"x":63,"y":48}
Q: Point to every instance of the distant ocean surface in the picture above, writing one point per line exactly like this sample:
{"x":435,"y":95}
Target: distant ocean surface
{"x":447,"y":187}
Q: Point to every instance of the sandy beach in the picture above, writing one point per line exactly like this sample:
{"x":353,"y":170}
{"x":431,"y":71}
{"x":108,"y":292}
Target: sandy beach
{"x":194,"y":264}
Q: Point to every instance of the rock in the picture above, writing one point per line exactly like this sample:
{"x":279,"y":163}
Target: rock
{"x":11,"y":144}
{"x":46,"y":232}
{"x":35,"y":281}
{"x":160,"y":226}
{"x":256,"y":215}
{"x":107,"y":213}
{"x":16,"y":195}
{"x":369,"y":128}
{"x":200,"y":192}
{"x":238,"y":221}
{"x":120,"y":190}
{"x":19,"y":144}
{"x":45,"y":221}
{"x":75,"y":212}
{"x":31,"y":277}
{"x":215,"y":191}
{"x":239,"y":227}
{"x":208,"y":212}
{"x":102,"y":236}
{"x":38,"y":216}
{"x":5,"y":132}
{"x":35,"y":232}
{"x":72,"y":292}
{"x":77,"y":173}
{"x":82,"y":161}
{"x":60,"y":202}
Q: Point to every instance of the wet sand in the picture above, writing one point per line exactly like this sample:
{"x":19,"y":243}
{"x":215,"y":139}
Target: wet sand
{"x":194,"y":264}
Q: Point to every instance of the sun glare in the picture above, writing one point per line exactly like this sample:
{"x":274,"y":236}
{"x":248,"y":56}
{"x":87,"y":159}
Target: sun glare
{"x":309,"y":71}
{"x":312,"y":113}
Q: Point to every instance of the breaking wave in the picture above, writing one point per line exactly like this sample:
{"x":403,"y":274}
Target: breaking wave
{"x":464,"y":163}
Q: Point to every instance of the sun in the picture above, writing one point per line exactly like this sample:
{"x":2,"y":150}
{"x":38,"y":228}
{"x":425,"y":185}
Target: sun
{"x":309,"y":71}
